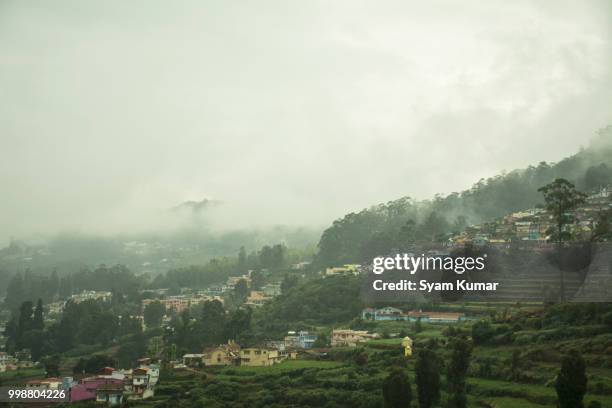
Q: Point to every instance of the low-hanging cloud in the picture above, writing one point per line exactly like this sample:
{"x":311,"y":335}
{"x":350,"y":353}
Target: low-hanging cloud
{"x":286,"y":112}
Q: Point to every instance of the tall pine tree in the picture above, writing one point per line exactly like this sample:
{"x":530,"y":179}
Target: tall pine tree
{"x":427,"y":378}
{"x":571,"y":383}
{"x":38,"y":322}
{"x":397,"y":392}
{"x":457,"y":371}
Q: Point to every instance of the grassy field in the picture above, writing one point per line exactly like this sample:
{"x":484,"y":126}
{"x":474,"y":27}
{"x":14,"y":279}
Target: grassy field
{"x":507,"y":402}
{"x":288,"y":365}
{"x":22,"y":375}
{"x":353,"y":376}
{"x":508,"y":393}
{"x":541,"y":357}
{"x":393,"y":341}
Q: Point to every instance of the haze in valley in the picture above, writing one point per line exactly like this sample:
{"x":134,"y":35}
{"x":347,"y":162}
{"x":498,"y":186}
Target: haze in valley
{"x":290,"y":113}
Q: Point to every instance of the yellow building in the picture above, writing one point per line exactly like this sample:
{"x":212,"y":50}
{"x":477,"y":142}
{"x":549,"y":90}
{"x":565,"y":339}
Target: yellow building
{"x":259,"y":357}
{"x":225,"y":354}
{"x":256,"y":298}
{"x":407,"y":344}
{"x":348,"y":269}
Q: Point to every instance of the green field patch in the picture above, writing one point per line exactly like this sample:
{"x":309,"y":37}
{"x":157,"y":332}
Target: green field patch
{"x":430,"y":333}
{"x":288,"y":365}
{"x":509,"y":402}
{"x":537,"y":394}
{"x":22,"y":374}
{"x":394,"y":342}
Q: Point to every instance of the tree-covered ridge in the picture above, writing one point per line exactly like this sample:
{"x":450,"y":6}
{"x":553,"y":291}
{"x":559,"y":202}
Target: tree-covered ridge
{"x":32,"y":285}
{"x":355,"y":236}
{"x":311,"y":303}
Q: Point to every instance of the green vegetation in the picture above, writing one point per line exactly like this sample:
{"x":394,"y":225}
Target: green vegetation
{"x":521,"y":355}
{"x":315,"y":302}
{"x":22,"y":374}
{"x":472,"y":375}
{"x":288,"y":365}
{"x":571,"y":384}
{"x":427,"y":374}
{"x":397,"y":392}
{"x":154,"y":313}
{"x":396,"y":224}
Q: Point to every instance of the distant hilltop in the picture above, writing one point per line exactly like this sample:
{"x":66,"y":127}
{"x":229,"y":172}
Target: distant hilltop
{"x":196,"y":207}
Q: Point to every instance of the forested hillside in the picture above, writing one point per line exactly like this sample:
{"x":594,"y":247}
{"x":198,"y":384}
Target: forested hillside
{"x":357,"y":236}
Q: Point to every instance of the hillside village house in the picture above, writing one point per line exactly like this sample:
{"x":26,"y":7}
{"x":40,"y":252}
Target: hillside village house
{"x":193,"y":359}
{"x":179,"y":303}
{"x":233,"y":280}
{"x":55,"y":308}
{"x":260,"y":357}
{"x":143,"y":380}
{"x":286,"y":349}
{"x":225,"y":354}
{"x":8,"y":362}
{"x":348,"y":269}
{"x":112,"y":387}
{"x":20,"y":359}
{"x":385,"y":313}
{"x":232,"y":354}
{"x":110,"y":393}
{"x":271,"y":289}
{"x":45,"y":384}
{"x":87,"y":390}
{"x":91,"y":295}
{"x":256,"y":298}
{"x":302,"y":339}
{"x":391,"y":313}
{"x":350,"y":338}
{"x":300,"y":265}
{"x":213,"y":290}
{"x":443,"y":317}
{"x":533,"y":225}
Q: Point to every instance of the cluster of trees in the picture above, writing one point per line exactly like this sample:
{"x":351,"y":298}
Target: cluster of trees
{"x":25,"y":330}
{"x":215,"y":271}
{"x":93,"y":364}
{"x":272,"y":257}
{"x":114,"y":322}
{"x":313,"y":302}
{"x":397,"y":391}
{"x":30,"y":285}
{"x":218,"y":270}
{"x":102,"y":324}
{"x":570,"y":383}
{"x":86,"y":323}
{"x":154,"y":313}
{"x":208,"y":325}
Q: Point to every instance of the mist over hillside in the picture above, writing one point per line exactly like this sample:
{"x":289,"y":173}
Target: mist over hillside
{"x":143,"y":253}
{"x":359,"y":234}
{"x":289,"y":204}
{"x":195,"y":233}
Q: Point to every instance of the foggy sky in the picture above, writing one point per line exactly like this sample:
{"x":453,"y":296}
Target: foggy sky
{"x":291,"y":112}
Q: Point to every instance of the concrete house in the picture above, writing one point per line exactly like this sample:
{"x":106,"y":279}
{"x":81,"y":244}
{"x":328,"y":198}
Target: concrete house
{"x":225,"y":354}
{"x":259,"y":357}
{"x":350,"y":338}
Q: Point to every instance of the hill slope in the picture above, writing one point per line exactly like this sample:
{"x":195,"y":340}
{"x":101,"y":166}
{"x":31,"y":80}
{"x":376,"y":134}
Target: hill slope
{"x":356,"y":235}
